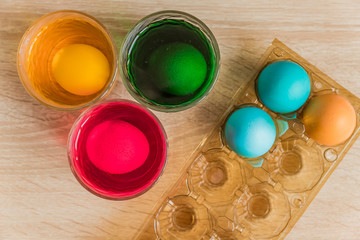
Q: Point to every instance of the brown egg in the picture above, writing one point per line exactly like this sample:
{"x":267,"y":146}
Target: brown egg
{"x":329,"y":119}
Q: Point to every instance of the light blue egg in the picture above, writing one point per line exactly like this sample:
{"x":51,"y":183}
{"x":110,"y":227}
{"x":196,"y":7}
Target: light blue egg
{"x":250,"y":132}
{"x":283,"y":86}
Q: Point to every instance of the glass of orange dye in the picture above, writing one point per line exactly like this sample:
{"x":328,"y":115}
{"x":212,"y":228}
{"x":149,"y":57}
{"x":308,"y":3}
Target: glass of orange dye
{"x":67,"y":60}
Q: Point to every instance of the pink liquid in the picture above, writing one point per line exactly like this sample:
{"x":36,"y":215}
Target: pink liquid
{"x":117,"y":150}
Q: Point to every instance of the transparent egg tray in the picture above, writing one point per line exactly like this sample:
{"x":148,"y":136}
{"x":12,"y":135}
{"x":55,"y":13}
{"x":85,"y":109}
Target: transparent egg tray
{"x":222,"y":195}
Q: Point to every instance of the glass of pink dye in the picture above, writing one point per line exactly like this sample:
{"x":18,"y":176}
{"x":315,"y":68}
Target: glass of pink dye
{"x":117,"y":149}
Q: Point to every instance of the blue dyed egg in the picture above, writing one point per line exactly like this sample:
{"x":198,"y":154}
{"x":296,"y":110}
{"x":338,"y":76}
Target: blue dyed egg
{"x":250,"y":132}
{"x":283,"y":86}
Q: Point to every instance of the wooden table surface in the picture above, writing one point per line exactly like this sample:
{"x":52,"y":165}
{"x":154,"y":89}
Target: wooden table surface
{"x":41,"y":199}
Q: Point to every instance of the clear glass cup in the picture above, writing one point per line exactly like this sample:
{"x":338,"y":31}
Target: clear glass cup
{"x":41,"y":42}
{"x":143,"y":74}
{"x":106,"y":146}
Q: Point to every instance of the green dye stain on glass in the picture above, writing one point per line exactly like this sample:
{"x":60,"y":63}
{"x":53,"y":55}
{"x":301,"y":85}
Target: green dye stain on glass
{"x":171,"y":63}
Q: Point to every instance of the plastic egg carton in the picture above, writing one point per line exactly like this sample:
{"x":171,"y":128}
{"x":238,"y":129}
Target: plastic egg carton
{"x":225,"y":196}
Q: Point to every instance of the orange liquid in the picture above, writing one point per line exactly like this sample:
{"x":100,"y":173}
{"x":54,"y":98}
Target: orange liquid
{"x":54,"y":36}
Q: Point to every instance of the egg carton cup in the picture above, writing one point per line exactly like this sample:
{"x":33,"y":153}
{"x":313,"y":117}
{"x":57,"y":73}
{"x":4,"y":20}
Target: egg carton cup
{"x":222,"y":195}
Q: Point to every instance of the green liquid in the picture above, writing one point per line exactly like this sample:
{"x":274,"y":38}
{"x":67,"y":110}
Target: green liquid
{"x":171,"y":63}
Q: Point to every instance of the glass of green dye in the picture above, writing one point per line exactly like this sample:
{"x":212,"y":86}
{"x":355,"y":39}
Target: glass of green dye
{"x":169,"y":61}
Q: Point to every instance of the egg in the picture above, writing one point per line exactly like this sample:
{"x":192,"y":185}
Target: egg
{"x":80,"y":69}
{"x":250,"y":132}
{"x":128,"y":150}
{"x":329,"y":119}
{"x":178,"y":68}
{"x":283,"y":86}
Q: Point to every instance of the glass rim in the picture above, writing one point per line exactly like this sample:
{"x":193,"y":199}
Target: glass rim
{"x":114,"y":51}
{"x":81,"y":181}
{"x":131,"y":38}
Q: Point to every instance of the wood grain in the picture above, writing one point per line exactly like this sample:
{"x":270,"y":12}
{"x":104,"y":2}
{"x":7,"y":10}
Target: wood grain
{"x":40,"y":198}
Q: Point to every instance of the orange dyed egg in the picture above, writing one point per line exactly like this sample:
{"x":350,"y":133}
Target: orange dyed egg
{"x":329,"y":119}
